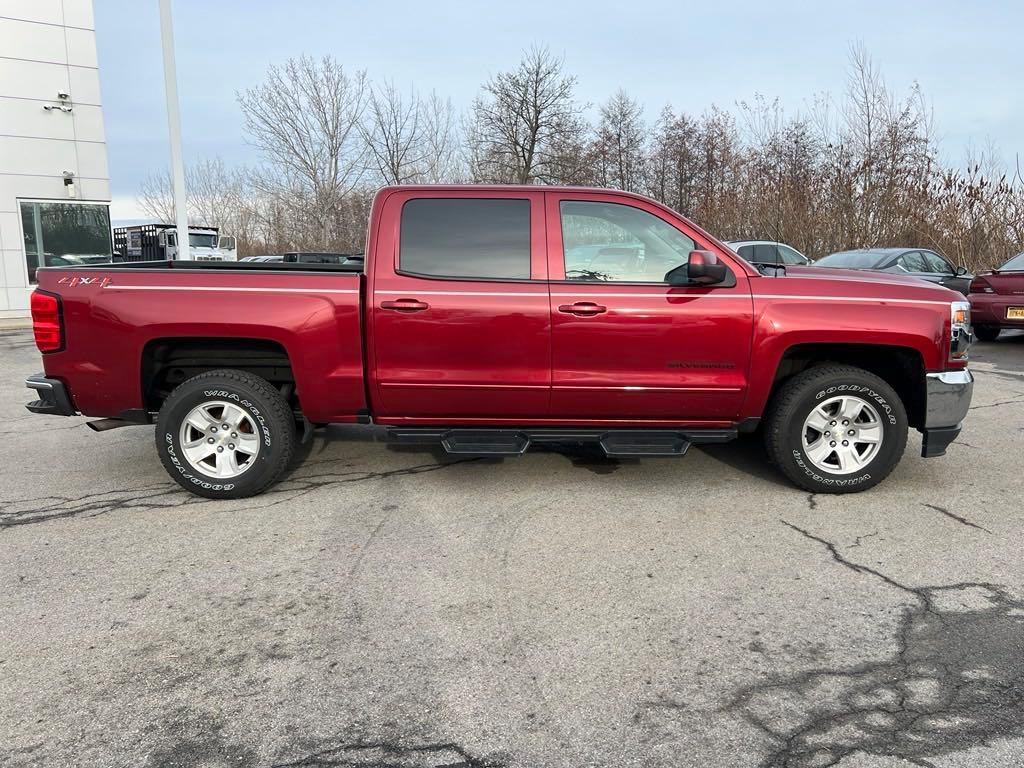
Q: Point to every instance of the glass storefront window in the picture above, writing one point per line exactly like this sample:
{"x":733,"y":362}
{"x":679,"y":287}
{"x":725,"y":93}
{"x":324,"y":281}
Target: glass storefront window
{"x":65,"y":234}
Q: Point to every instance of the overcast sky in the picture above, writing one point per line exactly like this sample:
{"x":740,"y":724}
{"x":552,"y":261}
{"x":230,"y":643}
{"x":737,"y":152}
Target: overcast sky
{"x":966,"y":56}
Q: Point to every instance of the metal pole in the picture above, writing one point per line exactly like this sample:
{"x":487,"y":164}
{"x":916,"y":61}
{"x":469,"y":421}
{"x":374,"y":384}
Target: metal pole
{"x":174,"y":129}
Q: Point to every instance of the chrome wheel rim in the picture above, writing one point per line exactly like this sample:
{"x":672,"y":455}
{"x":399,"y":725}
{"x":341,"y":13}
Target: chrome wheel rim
{"x":842,"y":435}
{"x":219,"y":439}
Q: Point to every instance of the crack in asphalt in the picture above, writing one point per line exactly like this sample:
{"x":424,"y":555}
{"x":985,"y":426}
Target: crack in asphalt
{"x":38,"y":429}
{"x":857,"y":541}
{"x":958,"y":518}
{"x":1012,"y":401}
{"x":857,"y":567}
{"x":22,"y":512}
{"x":384,"y":754}
{"x":29,"y":511}
{"x":955,"y":681}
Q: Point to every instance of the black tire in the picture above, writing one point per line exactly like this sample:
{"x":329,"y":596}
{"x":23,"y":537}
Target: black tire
{"x":800,"y":395}
{"x":264,"y":408}
{"x":987,"y":332}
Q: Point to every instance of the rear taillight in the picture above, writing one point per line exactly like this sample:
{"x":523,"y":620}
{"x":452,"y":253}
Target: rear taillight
{"x":47,"y":323}
{"x":980,"y":285}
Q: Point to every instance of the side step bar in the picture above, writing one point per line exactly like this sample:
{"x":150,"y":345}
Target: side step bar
{"x":513,"y":442}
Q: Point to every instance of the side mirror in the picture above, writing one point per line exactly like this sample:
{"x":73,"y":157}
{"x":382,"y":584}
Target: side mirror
{"x":961,"y":271}
{"x":701,"y":268}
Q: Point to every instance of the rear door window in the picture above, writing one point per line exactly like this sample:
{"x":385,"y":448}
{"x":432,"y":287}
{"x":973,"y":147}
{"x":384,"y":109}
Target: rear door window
{"x":766,"y":253}
{"x":465,"y":238}
{"x":912,"y":261}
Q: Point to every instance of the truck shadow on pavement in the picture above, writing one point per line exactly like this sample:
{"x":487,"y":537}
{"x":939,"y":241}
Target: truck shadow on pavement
{"x":745,"y":455}
{"x":956,"y":681}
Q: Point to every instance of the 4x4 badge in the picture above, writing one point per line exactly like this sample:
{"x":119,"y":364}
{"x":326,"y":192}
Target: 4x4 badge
{"x":102,"y":282}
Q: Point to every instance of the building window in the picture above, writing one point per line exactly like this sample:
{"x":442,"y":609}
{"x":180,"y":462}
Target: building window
{"x":65,"y":235}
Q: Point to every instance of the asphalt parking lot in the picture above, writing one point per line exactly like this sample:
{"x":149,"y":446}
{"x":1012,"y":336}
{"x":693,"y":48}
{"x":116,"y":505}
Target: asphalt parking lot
{"x":387,"y":607}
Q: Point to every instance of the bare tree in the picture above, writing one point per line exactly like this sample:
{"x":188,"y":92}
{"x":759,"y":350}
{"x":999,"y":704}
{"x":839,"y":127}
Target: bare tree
{"x":394,"y":134}
{"x":156,"y":198}
{"x":213,"y":193}
{"x":524,"y":120}
{"x":305,"y":119}
{"x":620,"y":145}
{"x":441,"y":152}
{"x":411,"y":139}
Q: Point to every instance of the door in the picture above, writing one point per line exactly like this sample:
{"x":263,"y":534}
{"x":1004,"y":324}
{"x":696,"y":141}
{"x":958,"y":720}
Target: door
{"x":625,"y":345}
{"x":461,"y":328}
{"x":946,"y":274}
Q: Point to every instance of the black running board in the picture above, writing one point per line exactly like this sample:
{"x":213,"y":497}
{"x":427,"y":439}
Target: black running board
{"x":618,"y":443}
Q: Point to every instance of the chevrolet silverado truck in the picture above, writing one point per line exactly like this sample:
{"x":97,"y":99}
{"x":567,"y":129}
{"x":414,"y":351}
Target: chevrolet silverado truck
{"x":488,"y":319}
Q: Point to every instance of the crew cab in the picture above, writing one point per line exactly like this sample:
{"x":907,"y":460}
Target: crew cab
{"x":490,"y":318}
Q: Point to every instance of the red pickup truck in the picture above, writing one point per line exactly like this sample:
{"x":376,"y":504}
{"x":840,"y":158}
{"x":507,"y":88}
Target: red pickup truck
{"x":492,"y":318}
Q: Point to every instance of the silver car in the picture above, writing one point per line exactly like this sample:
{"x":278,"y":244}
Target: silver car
{"x":769,"y":252}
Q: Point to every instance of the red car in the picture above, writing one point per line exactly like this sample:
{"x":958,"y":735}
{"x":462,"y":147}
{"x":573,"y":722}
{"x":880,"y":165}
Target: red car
{"x":997,"y":299}
{"x":491,"y":318}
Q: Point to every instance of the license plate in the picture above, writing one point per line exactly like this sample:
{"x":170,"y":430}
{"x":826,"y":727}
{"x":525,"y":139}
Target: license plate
{"x":1015,"y":313}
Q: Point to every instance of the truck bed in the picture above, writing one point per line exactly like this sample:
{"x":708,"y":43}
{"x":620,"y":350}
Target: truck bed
{"x":256,"y":266}
{"x":121,"y":319}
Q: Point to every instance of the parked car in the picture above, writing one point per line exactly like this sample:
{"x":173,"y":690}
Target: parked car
{"x":918,"y":262}
{"x":315,"y":257}
{"x":485,"y":325}
{"x":768,"y":252}
{"x":69,"y":260}
{"x":997,"y":299}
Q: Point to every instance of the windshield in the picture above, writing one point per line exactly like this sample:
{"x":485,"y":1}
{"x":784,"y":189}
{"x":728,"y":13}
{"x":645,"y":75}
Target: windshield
{"x":1016,"y":264}
{"x":850,"y":260}
{"x":201,"y":241}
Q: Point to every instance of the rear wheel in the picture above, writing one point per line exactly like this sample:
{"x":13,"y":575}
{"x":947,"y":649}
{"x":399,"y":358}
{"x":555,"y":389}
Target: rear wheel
{"x":225,"y":434}
{"x":987,"y":332}
{"x":836,"y":429}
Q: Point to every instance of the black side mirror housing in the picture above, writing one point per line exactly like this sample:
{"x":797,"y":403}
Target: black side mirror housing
{"x":961,"y":271}
{"x":701,"y":268}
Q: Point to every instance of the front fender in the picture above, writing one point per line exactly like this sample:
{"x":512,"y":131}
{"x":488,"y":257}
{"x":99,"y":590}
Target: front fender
{"x":780,"y":326}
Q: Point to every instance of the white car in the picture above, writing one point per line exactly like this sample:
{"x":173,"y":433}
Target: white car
{"x":768,"y":252}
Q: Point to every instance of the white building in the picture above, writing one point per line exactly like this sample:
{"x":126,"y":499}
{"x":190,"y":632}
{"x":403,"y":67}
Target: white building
{"x":54,"y":181}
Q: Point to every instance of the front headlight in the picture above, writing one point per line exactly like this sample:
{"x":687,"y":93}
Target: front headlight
{"x":960,"y":335}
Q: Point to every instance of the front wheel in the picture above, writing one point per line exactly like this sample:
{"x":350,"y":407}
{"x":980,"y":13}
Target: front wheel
{"x":836,"y":429}
{"x":225,"y":434}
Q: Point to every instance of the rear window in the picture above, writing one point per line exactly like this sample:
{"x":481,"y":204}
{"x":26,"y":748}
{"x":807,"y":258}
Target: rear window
{"x":1016,"y":264}
{"x":469,"y":238}
{"x":850,"y":260}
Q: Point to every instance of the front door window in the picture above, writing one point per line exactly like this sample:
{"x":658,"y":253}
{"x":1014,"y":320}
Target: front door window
{"x":609,"y":242}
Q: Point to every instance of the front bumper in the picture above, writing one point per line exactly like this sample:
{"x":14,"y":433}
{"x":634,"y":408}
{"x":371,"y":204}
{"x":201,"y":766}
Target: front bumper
{"x":53,"y":397}
{"x":948,"y":400}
